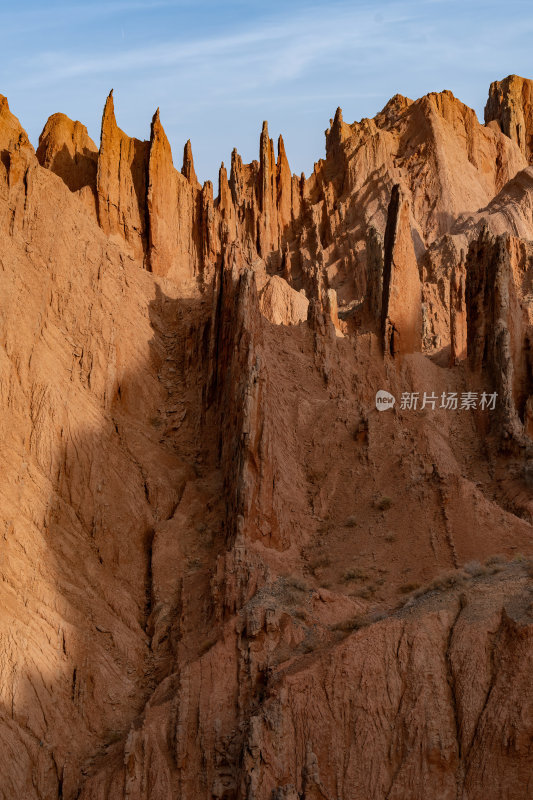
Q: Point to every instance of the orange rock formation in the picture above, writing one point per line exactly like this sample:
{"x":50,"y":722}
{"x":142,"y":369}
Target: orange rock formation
{"x":225,"y":573}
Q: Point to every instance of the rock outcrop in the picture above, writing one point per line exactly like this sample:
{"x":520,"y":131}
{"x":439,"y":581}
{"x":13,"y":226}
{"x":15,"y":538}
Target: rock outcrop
{"x":121,"y":183}
{"x":66,"y":149}
{"x":458,"y":316}
{"x":510,"y":105}
{"x":225,"y":573}
{"x":499,"y":331}
{"x":281,"y":304}
{"x":401,"y":310}
{"x":171,"y":212}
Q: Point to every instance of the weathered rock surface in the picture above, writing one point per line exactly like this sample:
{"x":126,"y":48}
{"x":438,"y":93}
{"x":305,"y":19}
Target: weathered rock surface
{"x":66,"y":149}
{"x":281,"y":304}
{"x":225,"y":574}
{"x":121,"y":183}
{"x":499,"y":331}
{"x":458,"y":314}
{"x":510,"y":104}
{"x":401,"y":305}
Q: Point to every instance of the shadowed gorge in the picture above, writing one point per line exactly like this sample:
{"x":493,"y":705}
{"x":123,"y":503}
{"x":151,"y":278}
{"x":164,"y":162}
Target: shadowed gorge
{"x":225,"y":572}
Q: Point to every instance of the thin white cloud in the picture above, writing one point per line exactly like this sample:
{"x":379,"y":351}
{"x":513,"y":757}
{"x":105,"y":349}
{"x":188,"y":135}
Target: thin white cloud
{"x":284,"y":48}
{"x":302,"y":59}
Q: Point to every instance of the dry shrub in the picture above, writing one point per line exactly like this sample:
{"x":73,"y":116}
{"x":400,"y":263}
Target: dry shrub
{"x":319,"y":563}
{"x":448,"y":580}
{"x":407,"y":588}
{"x":366,"y":592}
{"x":496,"y":561}
{"x":383,"y":503}
{"x":352,"y":624}
{"x":475,"y":569}
{"x":355,"y":575}
{"x":297,"y":583}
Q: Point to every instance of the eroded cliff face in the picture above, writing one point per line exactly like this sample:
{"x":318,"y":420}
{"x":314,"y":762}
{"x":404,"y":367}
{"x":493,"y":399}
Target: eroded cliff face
{"x":510,"y":105}
{"x":225,"y":573}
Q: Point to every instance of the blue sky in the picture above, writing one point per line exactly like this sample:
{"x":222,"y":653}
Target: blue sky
{"x":217,"y":69}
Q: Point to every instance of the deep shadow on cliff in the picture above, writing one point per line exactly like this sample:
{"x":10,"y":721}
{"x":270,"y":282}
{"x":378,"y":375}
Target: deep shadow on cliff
{"x":174,"y":669}
{"x":225,"y":573}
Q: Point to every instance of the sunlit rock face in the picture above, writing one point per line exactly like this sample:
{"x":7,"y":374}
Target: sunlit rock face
{"x":225,"y":572}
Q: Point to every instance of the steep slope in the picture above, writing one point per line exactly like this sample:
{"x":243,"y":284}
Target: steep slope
{"x":225,"y":573}
{"x":510,"y":105}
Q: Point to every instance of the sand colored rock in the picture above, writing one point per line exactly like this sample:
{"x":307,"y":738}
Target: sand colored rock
{"x":374,"y":277}
{"x":66,"y":149}
{"x":121,"y":183}
{"x":510,"y":211}
{"x":458,"y":335}
{"x":171,"y":209}
{"x":17,"y":165}
{"x":12,"y":135}
{"x":225,"y":573}
{"x":510,"y":105}
{"x":401,"y":312}
{"x":282,"y":305}
{"x":498,"y":331}
{"x":188,"y":164}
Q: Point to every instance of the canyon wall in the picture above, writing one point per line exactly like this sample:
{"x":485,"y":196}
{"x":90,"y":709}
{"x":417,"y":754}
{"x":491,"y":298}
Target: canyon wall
{"x":225,"y":573}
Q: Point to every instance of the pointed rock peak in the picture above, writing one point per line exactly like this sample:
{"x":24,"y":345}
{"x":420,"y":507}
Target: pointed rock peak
{"x":160,"y":152}
{"x":223,"y":185}
{"x":236,"y":160}
{"x":109,"y":107}
{"x":236,"y":170}
{"x":266,"y":150}
{"x":207,"y":190}
{"x":156,"y":122}
{"x":157,"y":132}
{"x":11,"y":130}
{"x":337,"y":125}
{"x":283,"y":163}
{"x":264,"y":139}
{"x":108,"y":117}
{"x":337,"y":132}
{"x":188,"y":164}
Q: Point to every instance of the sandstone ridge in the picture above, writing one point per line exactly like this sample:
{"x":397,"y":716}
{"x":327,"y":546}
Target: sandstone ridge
{"x":225,"y":572}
